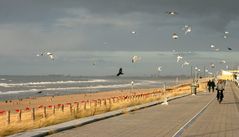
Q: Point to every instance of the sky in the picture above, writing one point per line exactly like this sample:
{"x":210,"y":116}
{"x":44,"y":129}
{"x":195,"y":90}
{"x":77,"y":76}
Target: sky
{"x":94,"y":37}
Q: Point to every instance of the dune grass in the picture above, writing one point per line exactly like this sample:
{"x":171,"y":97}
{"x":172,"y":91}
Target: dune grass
{"x":59,"y":116}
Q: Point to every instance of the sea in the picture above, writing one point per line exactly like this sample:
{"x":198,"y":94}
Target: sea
{"x":21,"y":87}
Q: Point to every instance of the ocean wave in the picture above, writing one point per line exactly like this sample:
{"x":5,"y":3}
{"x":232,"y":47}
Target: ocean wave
{"x":74,"y":88}
{"x":50,"y":83}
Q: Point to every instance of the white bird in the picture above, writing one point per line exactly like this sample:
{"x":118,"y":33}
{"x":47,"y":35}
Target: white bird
{"x":41,"y":54}
{"x":175,"y":36}
{"x":217,"y":49}
{"x":206,"y":70}
{"x":50,"y":55}
{"x":222,"y":61}
{"x":135,"y":59}
{"x":210,"y":73}
{"x":212,"y":46}
{"x":159,"y":69}
{"x":172,"y":13}
{"x":132,"y":83}
{"x":212,"y":65}
{"x":179,"y":58}
{"x":185,"y":63}
{"x":187,"y":29}
{"x":226,"y":32}
{"x":133,"y":32}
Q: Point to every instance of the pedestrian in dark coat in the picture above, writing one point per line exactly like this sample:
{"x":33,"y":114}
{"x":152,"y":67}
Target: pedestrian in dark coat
{"x":213,"y":85}
{"x":209,"y":83}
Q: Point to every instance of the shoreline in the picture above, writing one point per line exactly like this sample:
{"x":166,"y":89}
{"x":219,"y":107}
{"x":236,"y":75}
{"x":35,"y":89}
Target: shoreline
{"x":35,"y":102}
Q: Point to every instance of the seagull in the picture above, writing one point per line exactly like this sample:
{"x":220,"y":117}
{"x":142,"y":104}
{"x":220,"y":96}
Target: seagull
{"x":175,"y":36}
{"x":133,"y":32}
{"x":41,"y":54}
{"x":172,"y":13}
{"x":159,"y":69}
{"x":229,"y":48}
{"x":132,"y":83}
{"x":206,"y":70}
{"x":222,"y":61}
{"x":185,"y":63}
{"x":226,"y":34}
{"x":210,"y":73}
{"x":179,"y":58}
{"x":187,"y":29}
{"x":212,"y":46}
{"x":50,"y":55}
{"x":217,"y":49}
{"x":135,"y":58}
{"x":120,"y":72}
{"x":212,"y":65}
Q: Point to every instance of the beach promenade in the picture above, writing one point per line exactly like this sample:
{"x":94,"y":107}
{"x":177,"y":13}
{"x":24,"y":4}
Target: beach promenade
{"x":190,"y":116}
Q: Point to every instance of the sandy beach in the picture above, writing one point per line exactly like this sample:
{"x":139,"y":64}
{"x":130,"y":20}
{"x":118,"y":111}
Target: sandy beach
{"x":64,"y":99}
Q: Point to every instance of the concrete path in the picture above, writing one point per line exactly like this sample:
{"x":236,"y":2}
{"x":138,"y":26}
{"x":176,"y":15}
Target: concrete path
{"x":218,"y":120}
{"x":165,"y":121}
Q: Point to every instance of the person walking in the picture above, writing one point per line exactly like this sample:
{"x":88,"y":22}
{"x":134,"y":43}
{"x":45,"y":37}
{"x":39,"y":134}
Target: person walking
{"x":220,"y":89}
{"x":209,"y":83}
{"x":213,"y":85}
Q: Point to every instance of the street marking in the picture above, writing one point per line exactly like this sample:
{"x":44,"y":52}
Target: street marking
{"x":180,"y":131}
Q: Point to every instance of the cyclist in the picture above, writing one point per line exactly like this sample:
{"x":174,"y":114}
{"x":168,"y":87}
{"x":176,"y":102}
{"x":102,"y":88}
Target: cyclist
{"x":220,"y":88}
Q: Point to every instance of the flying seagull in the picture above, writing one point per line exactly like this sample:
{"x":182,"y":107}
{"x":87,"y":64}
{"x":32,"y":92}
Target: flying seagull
{"x":179,"y":58}
{"x":50,"y":55}
{"x":187,"y":29}
{"x":212,"y":65}
{"x":185,"y":63}
{"x":135,"y":58}
{"x":120,"y":72}
{"x":41,"y":54}
{"x":226,"y":34}
{"x":159,"y":69}
{"x":222,"y":61}
{"x":212,"y":46}
{"x":171,"y":13}
{"x":175,"y":36}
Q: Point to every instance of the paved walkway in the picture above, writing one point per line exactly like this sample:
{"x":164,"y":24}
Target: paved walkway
{"x":164,"y":121}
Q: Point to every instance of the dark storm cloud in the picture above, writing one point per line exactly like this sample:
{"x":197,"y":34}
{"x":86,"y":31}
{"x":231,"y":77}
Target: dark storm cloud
{"x":217,"y":14}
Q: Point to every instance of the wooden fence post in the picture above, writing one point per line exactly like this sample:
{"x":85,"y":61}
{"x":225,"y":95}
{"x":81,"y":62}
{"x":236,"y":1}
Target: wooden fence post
{"x":54,"y":110}
{"x":71,"y":108}
{"x":20,"y":115}
{"x":77,"y":107}
{"x":62,"y":108}
{"x":8,"y":117}
{"x":84,"y":105}
{"x":33,"y":114}
{"x":44,"y":114}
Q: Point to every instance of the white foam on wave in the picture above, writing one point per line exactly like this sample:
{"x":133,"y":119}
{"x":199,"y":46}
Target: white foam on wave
{"x":72,"y":88}
{"x":50,"y":83}
{"x":111,"y":86}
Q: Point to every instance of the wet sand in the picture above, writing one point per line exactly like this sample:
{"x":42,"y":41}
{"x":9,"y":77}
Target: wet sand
{"x":64,"y":99}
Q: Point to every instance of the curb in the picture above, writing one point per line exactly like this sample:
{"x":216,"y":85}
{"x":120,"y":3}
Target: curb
{"x":87,"y":120}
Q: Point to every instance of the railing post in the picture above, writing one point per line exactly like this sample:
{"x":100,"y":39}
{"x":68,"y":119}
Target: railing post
{"x":33,"y":114}
{"x":54,"y":110}
{"x":8,"y":117}
{"x":20,"y":115}
{"x":44,"y":113}
{"x":62,"y":108}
